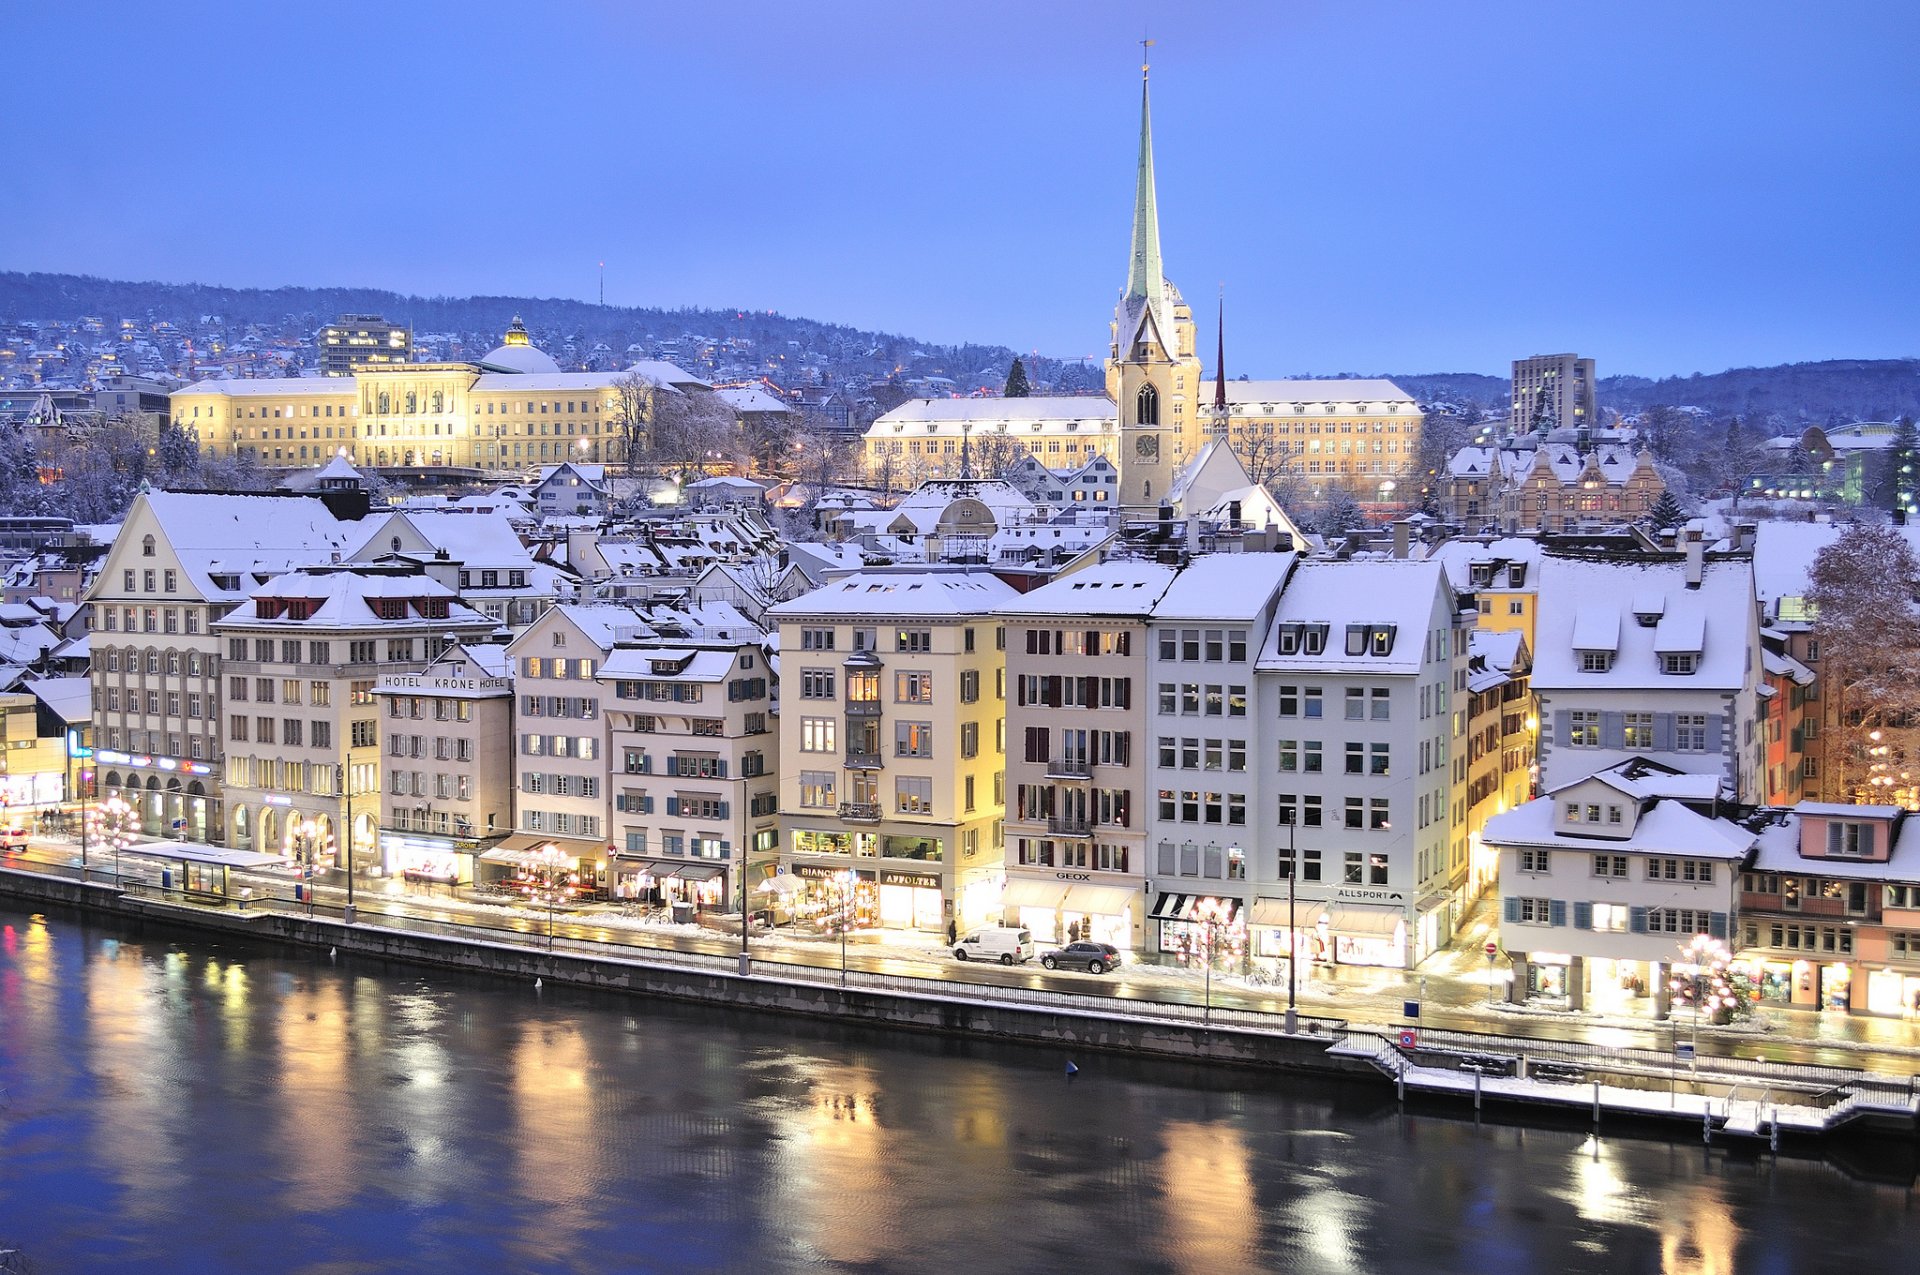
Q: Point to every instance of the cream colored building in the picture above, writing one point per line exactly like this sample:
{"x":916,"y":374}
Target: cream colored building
{"x":446,"y":734}
{"x":892,"y":747}
{"x":943,"y":437}
{"x":302,"y":656}
{"x":513,"y":409}
{"x":1360,"y":435}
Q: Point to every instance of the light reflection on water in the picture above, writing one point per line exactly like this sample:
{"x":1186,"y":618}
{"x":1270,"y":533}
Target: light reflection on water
{"x":208,"y":1108}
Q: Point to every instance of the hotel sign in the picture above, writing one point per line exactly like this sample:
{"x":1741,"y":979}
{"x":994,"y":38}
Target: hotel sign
{"x":421,"y":682}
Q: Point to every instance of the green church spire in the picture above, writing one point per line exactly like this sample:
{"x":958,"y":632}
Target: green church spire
{"x":1144,"y":277}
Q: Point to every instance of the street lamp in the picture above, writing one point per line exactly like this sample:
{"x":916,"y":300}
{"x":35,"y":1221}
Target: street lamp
{"x":115,"y":823}
{"x":550,"y":858}
{"x":844,"y":880}
{"x":1212,"y":914}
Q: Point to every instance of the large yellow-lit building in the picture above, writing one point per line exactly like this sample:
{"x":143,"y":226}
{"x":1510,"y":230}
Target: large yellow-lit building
{"x":510,"y":410}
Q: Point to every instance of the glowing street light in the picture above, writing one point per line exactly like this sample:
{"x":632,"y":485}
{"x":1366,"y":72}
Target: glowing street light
{"x":552,"y":860}
{"x":113,"y":822}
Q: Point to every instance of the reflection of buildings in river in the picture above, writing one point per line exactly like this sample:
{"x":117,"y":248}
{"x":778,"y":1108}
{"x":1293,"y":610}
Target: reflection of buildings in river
{"x":549,"y":1079}
{"x":139,"y":1030}
{"x":315,"y":1103}
{"x":1210,"y":1218}
{"x":831,"y":1155}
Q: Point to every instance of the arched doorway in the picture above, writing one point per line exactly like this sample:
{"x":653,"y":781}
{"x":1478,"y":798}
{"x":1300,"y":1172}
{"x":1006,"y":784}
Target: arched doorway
{"x":240,"y":836}
{"x":197,"y":811}
{"x":176,"y":809}
{"x":153,"y":812}
{"x":266,"y":838}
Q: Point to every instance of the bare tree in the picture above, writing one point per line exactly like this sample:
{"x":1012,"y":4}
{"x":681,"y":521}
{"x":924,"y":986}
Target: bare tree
{"x":633,"y":417}
{"x":1869,"y":634}
{"x":695,"y":431}
{"x":991,"y":452}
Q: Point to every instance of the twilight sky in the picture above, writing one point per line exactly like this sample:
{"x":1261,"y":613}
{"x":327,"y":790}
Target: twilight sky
{"x":1401,"y":185}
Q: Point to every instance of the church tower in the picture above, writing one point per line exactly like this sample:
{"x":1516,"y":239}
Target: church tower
{"x":1153,"y":370}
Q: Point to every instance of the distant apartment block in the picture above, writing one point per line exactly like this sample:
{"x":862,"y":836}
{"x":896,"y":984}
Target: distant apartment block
{"x":1552,"y":391}
{"x":362,"y":339}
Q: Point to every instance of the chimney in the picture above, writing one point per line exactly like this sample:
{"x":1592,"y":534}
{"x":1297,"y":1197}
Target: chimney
{"x":1693,"y":539}
{"x":1402,"y":539}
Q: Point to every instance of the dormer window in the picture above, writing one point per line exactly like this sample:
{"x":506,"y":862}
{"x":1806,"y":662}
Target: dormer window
{"x":1679,"y":662}
{"x":1482,"y":575}
{"x":1516,"y":575}
{"x":1382,"y":639}
{"x":1357,"y":635}
{"x":1313,"y":640}
{"x":1596,"y":661}
{"x":1290,"y":639}
{"x":146,"y":547}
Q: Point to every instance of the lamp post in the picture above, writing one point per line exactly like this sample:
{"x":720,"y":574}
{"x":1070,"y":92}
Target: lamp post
{"x":844,"y":880}
{"x":550,"y":857}
{"x":344,"y":773}
{"x":1293,"y":931}
{"x":745,"y":960}
{"x":117,"y":822}
{"x":1211,"y":913}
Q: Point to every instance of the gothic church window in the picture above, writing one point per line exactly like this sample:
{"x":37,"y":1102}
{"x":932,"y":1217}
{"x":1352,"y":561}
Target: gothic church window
{"x":1146,"y":406}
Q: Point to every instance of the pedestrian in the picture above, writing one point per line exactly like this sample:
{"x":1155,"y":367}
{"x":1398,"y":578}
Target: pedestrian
{"x":953,"y":932}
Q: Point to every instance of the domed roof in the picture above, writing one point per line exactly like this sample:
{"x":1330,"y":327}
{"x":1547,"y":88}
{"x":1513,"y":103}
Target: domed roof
{"x":517,"y":352}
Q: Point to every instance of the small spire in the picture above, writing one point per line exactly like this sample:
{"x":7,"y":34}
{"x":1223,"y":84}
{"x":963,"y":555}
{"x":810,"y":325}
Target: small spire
{"x":1220,"y":358}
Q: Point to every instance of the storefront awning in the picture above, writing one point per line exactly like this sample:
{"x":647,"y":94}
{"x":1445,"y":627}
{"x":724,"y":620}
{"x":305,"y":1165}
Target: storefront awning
{"x":700,"y":871}
{"x":1431,"y":902}
{"x":783,"y":883}
{"x":533,"y":841}
{"x":1034,"y":894}
{"x":1099,"y":900}
{"x":1185,"y":907}
{"x":1306,"y":913}
{"x":1359,"y":920}
{"x":524,"y":858}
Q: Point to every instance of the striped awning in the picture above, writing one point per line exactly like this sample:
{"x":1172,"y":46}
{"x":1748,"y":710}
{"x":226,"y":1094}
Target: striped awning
{"x":1186,"y":907}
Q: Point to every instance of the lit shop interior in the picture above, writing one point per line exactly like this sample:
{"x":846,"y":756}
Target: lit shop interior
{"x":1059,"y":912}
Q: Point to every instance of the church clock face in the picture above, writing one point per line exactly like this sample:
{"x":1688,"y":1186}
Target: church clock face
{"x":1147,"y":447}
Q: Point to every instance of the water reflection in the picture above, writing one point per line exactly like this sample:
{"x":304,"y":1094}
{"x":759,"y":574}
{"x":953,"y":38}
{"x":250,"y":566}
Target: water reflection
{"x":182,"y":1107}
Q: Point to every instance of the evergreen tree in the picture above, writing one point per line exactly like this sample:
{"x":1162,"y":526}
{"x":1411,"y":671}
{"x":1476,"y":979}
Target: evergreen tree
{"x":1901,"y":461}
{"x":1017,"y":386}
{"x":1666,"y":511}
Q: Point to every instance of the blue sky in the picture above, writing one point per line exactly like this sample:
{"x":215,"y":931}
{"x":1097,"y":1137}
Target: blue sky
{"x":1420,"y":186}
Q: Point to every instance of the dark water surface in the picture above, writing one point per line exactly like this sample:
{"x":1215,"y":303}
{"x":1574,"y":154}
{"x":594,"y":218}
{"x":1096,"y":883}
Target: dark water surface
{"x":181,"y":1106}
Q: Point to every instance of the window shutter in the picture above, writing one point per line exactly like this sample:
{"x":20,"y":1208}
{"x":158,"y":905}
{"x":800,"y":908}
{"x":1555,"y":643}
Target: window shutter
{"x":646,"y":805}
{"x":1510,"y":909}
{"x":1557,"y":912}
{"x":1663,"y":732}
{"x":1562,"y":727}
{"x":1637,"y":920}
{"x":725,"y":809}
{"x":1717,"y":924}
{"x":673,"y":805}
{"x":1716,"y":732}
{"x":1613,"y":730}
{"x":1867,"y":833}
{"x":720,"y":769}
{"x":1126,"y":694}
{"x":673,"y":763}
{"x":1582,"y":915}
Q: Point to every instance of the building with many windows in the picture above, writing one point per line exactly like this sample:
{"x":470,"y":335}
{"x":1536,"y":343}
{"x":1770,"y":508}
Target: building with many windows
{"x":694,"y":751}
{"x":447,"y":737}
{"x":303,"y":656}
{"x":892,"y":747}
{"x":361,"y":340}
{"x":1553,"y":391}
{"x":1362,"y":685}
{"x":180,"y":563}
{"x":1077,"y":701}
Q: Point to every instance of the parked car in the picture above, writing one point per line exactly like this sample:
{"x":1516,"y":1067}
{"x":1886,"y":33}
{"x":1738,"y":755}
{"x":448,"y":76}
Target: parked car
{"x":13,"y":837}
{"x":1094,"y":958}
{"x":996,"y":943}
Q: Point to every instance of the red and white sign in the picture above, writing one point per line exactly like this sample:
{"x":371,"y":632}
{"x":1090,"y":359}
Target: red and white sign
{"x":1409,"y":1038}
{"x":1493,"y":949}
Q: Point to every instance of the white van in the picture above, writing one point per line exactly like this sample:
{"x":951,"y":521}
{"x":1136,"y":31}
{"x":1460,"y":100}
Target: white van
{"x":1000,"y":943}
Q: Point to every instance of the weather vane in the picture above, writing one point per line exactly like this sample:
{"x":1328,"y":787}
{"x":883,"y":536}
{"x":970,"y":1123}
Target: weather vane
{"x":1145,"y":65}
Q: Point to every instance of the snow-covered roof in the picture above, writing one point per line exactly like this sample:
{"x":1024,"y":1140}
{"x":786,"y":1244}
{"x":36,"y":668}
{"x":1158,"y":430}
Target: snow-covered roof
{"x":1842,"y":810}
{"x":1120,"y":588}
{"x":69,"y":698}
{"x":885,"y":594}
{"x":1373,"y":592}
{"x":1667,"y":827}
{"x":273,"y":386}
{"x":345,"y":601}
{"x":470,"y":539}
{"x":520,"y":358}
{"x":1280,"y":396}
{"x":751,"y":398}
{"x":1644,"y":780}
{"x":1224,"y":586}
{"x":1779,"y":851}
{"x":636,"y":662}
{"x":246,"y":536}
{"x":991,"y":411}
{"x":1496,"y":557}
{"x":928,"y":503}
{"x":1588,"y":605}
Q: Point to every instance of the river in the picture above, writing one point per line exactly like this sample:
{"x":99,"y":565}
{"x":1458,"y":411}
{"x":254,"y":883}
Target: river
{"x":187,"y":1106}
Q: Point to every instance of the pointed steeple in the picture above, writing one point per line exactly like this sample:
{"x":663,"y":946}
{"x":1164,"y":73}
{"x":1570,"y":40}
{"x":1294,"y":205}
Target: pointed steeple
{"x":1144,"y":277}
{"x":1220,"y":359}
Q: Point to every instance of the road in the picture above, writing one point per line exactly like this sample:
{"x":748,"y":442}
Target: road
{"x":1453,"y":1001}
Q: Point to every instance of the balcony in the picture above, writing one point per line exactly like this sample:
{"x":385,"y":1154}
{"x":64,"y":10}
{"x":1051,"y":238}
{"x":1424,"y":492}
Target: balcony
{"x":1069,"y":826}
{"x":860,"y":811}
{"x":862,"y":761}
{"x":1069,"y":768}
{"x":863,"y":708}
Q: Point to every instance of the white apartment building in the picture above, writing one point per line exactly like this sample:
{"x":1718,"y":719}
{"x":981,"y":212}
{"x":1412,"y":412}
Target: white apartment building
{"x":561,"y":737}
{"x":1361,"y":694}
{"x":1077,"y":702}
{"x":892,"y":746}
{"x":1206,"y":754}
{"x":180,"y":563}
{"x":1650,"y":658}
{"x":1605,"y":879}
{"x":693,"y":762}
{"x":478,"y":554}
{"x":303,"y":654}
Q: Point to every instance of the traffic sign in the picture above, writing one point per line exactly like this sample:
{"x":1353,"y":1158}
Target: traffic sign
{"x":1493,"y":949}
{"x":1409,"y":1038}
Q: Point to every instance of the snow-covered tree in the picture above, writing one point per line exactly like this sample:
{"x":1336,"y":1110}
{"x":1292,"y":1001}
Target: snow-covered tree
{"x":1017,"y":386}
{"x":1666,"y":512}
{"x":1868,"y":629}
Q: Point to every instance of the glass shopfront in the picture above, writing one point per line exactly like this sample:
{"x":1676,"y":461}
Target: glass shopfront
{"x":909,"y":901}
{"x":1894,"y":993}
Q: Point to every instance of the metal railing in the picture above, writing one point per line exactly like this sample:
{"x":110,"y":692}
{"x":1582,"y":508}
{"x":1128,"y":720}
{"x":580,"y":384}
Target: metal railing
{"x":863,"y":761}
{"x":1069,"y":826}
{"x":860,"y":811}
{"x":1069,"y":768}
